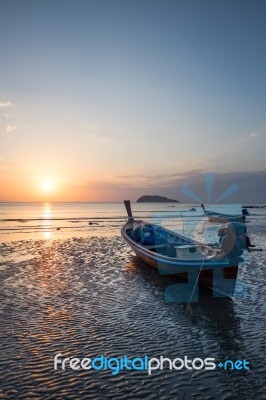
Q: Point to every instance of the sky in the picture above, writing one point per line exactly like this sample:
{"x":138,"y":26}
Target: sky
{"x":108,"y":99}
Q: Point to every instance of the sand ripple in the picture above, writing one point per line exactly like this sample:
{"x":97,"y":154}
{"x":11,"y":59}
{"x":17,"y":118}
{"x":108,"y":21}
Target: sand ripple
{"x":89,"y":297}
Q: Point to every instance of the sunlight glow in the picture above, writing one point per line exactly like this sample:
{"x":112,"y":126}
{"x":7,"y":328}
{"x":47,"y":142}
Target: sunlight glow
{"x":47,"y":234}
{"x":47,"y":213}
{"x":47,"y":185}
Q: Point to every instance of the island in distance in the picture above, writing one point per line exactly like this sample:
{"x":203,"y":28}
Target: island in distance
{"x":155,"y":199}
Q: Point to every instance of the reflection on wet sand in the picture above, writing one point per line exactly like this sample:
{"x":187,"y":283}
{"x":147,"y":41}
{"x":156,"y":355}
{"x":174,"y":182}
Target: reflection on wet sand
{"x":90,"y":297}
{"x":216,"y":316}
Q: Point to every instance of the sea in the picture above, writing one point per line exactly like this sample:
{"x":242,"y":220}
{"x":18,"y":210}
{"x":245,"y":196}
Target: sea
{"x":20,"y":221}
{"x":70,"y":285}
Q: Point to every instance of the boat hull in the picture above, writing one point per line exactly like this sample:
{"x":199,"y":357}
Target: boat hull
{"x":224,"y":219}
{"x":217,"y":276}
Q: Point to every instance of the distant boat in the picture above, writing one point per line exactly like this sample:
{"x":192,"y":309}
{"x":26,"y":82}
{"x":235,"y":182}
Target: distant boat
{"x":223,"y":218}
{"x":213,"y":267}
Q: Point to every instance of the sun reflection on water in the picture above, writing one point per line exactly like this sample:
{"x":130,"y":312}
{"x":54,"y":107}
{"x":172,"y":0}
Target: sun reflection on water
{"x":47,"y":223}
{"x":47,"y":234}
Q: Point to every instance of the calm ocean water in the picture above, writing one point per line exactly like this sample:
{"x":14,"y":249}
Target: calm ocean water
{"x":60,"y":220}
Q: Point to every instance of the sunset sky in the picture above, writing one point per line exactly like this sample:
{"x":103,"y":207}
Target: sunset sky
{"x":102,"y":100}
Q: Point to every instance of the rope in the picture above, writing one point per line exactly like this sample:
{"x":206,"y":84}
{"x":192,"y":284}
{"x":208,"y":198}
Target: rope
{"x":182,"y":219}
{"x":181,"y":326}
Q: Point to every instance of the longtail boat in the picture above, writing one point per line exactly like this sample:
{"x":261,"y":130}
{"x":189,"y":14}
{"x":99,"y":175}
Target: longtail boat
{"x":214,"y":267}
{"x":223,"y":218}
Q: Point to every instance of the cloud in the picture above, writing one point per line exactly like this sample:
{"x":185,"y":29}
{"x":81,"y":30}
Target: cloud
{"x":5,"y":104}
{"x":255,"y":135}
{"x":251,"y":186}
{"x":155,"y":181}
{"x":6,"y":124}
{"x":10,"y":128}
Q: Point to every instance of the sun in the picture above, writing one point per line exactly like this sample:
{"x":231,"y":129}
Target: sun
{"x":47,"y":185}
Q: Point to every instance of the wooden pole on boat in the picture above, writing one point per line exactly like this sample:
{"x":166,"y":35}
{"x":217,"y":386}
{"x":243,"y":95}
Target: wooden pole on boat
{"x":130,"y":217}
{"x":202,"y":205}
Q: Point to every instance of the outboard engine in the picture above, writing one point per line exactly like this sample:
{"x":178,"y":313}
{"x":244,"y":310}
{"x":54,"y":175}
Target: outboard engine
{"x":232,"y":239}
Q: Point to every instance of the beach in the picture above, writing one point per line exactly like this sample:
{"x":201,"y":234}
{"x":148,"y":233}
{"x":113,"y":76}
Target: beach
{"x":155,"y":104}
{"x":89,"y":296}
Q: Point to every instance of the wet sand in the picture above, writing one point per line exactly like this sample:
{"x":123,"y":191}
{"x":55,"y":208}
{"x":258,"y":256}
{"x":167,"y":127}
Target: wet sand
{"x":90,"y":296}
